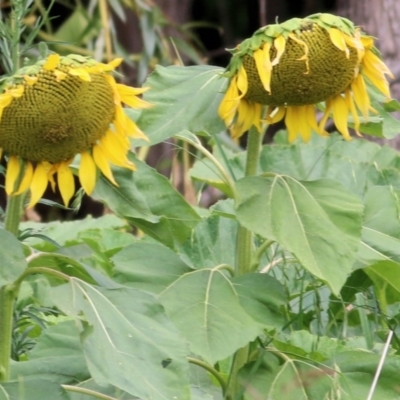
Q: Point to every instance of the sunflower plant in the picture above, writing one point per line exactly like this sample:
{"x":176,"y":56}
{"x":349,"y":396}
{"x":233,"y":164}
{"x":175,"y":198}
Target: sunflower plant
{"x":287,"y":286}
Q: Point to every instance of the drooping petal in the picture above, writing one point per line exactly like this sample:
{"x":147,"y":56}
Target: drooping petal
{"x":279,"y":44}
{"x":38,"y":184}
{"x":264,"y":65}
{"x":242,"y":83}
{"x":306,"y":51}
{"x":361,"y":96}
{"x":128,"y":95}
{"x":337,"y":38}
{"x":66,"y":183}
{"x":103,"y":164}
{"x":340,"y":113}
{"x":27,"y":178}
{"x":352,"y":108}
{"x":229,"y":104}
{"x":13,"y":168}
{"x":291,"y":122}
{"x":87,"y":172}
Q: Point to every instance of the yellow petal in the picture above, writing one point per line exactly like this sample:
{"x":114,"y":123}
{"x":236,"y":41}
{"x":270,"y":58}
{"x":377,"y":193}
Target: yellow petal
{"x":306,"y":50}
{"x":51,"y":62}
{"x":264,"y":65}
{"x":275,"y":114}
{"x":27,"y":178}
{"x":361,"y":96}
{"x":59,"y":75}
{"x":87,"y":172}
{"x":13,"y":168}
{"x":80,"y":73}
{"x":322,"y":123}
{"x":39,"y":184}
{"x":16,"y":91}
{"x":30,"y":80}
{"x":123,"y":124}
{"x":291,"y":123}
{"x":102,"y":163}
{"x":337,"y":38}
{"x":115,"y":151}
{"x":340,"y":113}
{"x":242,"y":83}
{"x":352,"y":108}
{"x":66,"y":183}
{"x":248,"y":114}
{"x":5,"y":101}
{"x":229,"y":104}
{"x":279,"y":44}
{"x":128,"y":96}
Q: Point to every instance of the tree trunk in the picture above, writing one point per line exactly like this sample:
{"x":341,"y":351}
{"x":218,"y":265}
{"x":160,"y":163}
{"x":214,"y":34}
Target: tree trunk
{"x":381,"y":19}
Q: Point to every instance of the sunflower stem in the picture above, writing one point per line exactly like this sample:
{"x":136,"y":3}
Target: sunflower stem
{"x":244,"y":262}
{"x":7,"y":298}
{"x":13,"y":213}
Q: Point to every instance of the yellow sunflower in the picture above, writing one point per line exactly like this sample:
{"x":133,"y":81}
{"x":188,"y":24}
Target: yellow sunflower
{"x":286,"y":70}
{"x":59,"y":108}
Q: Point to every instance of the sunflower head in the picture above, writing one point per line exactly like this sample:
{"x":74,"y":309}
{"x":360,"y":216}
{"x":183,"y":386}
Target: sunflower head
{"x":59,"y":108}
{"x":289,"y":68}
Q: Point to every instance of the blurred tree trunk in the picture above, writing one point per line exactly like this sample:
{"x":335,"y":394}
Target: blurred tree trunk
{"x":379,"y":18}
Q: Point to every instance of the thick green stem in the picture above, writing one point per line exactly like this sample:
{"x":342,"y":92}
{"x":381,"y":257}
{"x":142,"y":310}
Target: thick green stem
{"x":13,"y":213}
{"x":244,"y":261}
{"x":210,"y":369}
{"x":7,"y":298}
{"x":245,"y":237}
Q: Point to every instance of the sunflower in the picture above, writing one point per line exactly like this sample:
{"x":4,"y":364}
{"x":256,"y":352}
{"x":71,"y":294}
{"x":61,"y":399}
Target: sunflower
{"x":287,"y":70}
{"x":59,"y":108}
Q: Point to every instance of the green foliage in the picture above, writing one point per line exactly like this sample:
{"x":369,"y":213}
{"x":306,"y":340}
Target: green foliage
{"x":153,"y":301}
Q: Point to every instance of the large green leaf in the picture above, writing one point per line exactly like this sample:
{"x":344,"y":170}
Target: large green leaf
{"x":128,"y":342}
{"x":12,"y":258}
{"x":206,"y":309}
{"x":32,"y":389}
{"x":381,"y":226}
{"x":148,"y":266}
{"x":262,"y":296}
{"x":318,"y":221}
{"x":183,"y":98}
{"x":67,"y":233}
{"x":57,"y":356}
{"x":293,"y":379}
{"x":356,"y":164}
{"x":384,"y":274}
{"x":147,"y":200}
{"x":212,"y":242}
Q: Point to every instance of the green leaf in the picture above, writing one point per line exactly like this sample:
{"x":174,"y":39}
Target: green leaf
{"x":293,"y":379}
{"x":148,"y":201}
{"x":57,"y":356}
{"x":385,"y":273}
{"x":205,"y":307}
{"x":262,"y":296}
{"x":196,"y":92}
{"x":318,"y":221}
{"x":12,"y":258}
{"x":62,"y":263}
{"x":67,"y":233}
{"x":381,"y":226}
{"x":212,"y":242}
{"x":148,"y":266}
{"x":32,"y":389}
{"x":127,"y":335}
